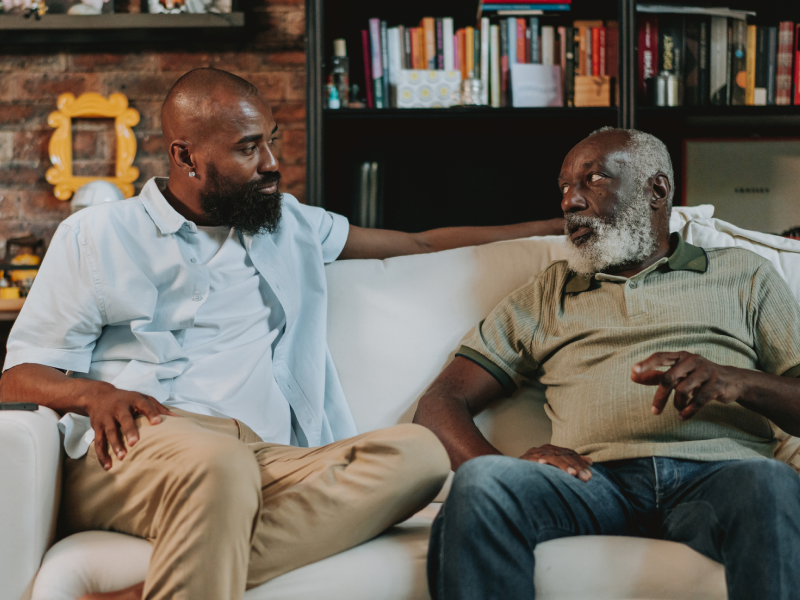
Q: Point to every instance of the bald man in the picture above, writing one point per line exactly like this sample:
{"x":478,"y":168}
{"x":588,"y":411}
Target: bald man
{"x":181,"y":334}
{"x":596,"y":329}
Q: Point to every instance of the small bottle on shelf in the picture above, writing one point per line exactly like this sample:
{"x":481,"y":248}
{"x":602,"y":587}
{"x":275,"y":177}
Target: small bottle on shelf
{"x":340,"y":72}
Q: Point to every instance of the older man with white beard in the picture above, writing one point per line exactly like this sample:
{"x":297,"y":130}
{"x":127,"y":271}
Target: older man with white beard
{"x":595,"y":329}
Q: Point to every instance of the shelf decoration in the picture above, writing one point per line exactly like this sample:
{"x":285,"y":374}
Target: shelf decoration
{"x":92,"y":106}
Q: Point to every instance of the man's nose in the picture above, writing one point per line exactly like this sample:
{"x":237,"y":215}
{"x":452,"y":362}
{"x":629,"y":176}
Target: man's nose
{"x":268,"y":162}
{"x":573,"y":201}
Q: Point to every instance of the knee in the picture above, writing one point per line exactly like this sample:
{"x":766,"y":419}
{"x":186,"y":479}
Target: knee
{"x":422,"y":456}
{"x":767,"y":486}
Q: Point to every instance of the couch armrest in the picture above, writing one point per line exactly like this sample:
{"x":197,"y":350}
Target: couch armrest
{"x":30,"y":470}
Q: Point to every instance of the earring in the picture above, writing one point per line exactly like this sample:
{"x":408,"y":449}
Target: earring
{"x":192,"y":174}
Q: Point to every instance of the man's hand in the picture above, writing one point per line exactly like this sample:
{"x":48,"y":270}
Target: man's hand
{"x":565,"y":459}
{"x":111,"y":413}
{"x":695,"y":380}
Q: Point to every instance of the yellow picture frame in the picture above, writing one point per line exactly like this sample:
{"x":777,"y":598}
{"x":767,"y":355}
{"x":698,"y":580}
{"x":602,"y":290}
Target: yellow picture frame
{"x":91,"y":106}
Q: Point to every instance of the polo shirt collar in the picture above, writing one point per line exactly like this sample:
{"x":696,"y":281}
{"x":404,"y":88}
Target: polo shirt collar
{"x":167,"y":219}
{"x":686,"y":257}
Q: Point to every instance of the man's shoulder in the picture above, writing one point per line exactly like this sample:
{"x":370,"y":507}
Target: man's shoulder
{"x":735,"y":257}
{"x":122,"y":213}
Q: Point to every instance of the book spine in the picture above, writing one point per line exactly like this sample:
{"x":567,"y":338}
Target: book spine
{"x":783,"y":93}
{"x":429,"y":27}
{"x":401,"y":34}
{"x":760,"y":91}
{"x":461,"y":36}
{"x":528,"y":57}
{"x":407,"y":47}
{"x":504,"y":63}
{"x":797,"y":65}
{"x":448,"y":50}
{"x":718,"y":67}
{"x":562,"y":55}
{"x":439,"y":44}
{"x":548,"y":45}
{"x":395,"y":63}
{"x":691,"y":61}
{"x":750,"y":66}
{"x":587,"y":66}
{"x":569,"y":75}
{"x":494,"y":58}
{"x":422,"y":56}
{"x":377,"y":65}
{"x":648,"y":44}
{"x":533,"y":26}
{"x":772,"y":64}
{"x":476,"y":53}
{"x":703,"y":65}
{"x":601,"y":51}
{"x":739,"y":62}
{"x":469,"y":51}
{"x":596,"y":51}
{"x":522,"y":41}
{"x":367,"y":68}
{"x":485,"y":43}
{"x":511,"y":24}
{"x":385,"y":62}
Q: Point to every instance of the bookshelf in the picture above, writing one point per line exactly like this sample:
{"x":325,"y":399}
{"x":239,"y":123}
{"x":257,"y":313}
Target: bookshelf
{"x":481,"y":166}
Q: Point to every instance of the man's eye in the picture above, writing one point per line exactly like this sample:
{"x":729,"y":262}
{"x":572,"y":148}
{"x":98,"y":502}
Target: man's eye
{"x":272,"y":141}
{"x":250,"y":149}
{"x":595,"y":177}
{"x":564,"y":189}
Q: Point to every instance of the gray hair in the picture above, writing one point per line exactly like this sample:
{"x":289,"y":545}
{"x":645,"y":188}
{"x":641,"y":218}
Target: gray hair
{"x":650,"y":158}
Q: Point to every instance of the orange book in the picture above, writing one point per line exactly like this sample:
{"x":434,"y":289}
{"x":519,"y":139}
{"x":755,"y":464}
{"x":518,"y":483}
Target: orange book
{"x":580,"y":28}
{"x":422,"y":60}
{"x":428,"y":26}
{"x":462,"y":54}
{"x":469,"y":51}
{"x":412,"y":33}
{"x":595,"y":51}
{"x":522,"y":42}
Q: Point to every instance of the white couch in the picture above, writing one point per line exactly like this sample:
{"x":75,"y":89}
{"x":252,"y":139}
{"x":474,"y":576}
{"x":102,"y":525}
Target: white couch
{"x":393,"y":325}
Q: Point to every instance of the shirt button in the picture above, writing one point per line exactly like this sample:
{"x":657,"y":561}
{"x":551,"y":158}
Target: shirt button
{"x":197,"y":298}
{"x":633,"y":285}
{"x":194,"y":260}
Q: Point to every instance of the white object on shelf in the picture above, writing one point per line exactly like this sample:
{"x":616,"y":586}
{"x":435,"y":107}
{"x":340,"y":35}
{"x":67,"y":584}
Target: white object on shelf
{"x":536,"y":85}
{"x":94,"y":193}
{"x":428,"y":89}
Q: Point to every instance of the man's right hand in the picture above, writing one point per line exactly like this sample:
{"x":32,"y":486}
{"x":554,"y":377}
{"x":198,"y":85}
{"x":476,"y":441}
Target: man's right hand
{"x":111,"y":413}
{"x":565,"y":459}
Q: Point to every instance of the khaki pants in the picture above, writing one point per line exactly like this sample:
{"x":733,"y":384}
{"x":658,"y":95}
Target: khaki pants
{"x":226,"y":512}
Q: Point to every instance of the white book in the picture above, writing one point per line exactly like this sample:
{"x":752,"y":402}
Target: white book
{"x":511,"y":23}
{"x":395,"y":63}
{"x":447,"y":44}
{"x":485,"y":60}
{"x":718,"y":63}
{"x":548,"y":45}
{"x":536,"y":85}
{"x":495,"y":60}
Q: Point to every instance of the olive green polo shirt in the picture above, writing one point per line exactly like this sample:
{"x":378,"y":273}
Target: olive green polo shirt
{"x":581,"y":335}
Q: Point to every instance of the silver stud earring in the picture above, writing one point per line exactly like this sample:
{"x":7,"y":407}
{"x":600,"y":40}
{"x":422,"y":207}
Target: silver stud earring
{"x":192,"y":174}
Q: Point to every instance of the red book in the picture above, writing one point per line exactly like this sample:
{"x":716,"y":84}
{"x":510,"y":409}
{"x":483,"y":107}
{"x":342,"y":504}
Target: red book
{"x":648,"y":50}
{"x":601,"y":51}
{"x":612,"y":49}
{"x":783,"y":79}
{"x":797,"y":66}
{"x":596,"y":51}
{"x":367,"y":68}
{"x":521,"y":39}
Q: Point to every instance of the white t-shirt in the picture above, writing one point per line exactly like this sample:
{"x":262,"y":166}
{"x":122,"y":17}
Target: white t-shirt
{"x":231,"y":343}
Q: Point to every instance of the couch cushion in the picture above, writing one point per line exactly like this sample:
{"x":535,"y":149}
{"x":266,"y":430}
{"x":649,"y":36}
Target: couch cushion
{"x":392,"y":567}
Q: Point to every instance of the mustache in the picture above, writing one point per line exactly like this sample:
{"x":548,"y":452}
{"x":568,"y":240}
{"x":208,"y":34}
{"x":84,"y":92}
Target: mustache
{"x":573,"y":221}
{"x":266,"y":179}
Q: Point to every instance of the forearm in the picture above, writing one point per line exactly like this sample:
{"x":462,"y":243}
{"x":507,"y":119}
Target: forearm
{"x":452,"y":423}
{"x":777,"y":398}
{"x":446,"y":238}
{"x":49,"y":387}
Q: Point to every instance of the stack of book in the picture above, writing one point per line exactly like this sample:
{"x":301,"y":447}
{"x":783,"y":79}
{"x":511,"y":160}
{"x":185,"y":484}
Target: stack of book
{"x":717,"y":57}
{"x":523,"y":7}
{"x":487,"y":53}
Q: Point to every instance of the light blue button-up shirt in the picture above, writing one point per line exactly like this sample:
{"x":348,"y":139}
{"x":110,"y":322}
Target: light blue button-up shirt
{"x":120,"y":285}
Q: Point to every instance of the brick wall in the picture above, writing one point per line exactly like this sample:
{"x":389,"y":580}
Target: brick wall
{"x":32,"y":77}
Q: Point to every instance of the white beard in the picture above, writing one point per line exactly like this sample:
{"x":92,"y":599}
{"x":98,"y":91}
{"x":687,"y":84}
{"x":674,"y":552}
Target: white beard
{"x":627,"y":237}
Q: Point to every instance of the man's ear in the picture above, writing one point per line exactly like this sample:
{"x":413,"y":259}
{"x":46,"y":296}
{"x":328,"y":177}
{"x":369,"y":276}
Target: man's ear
{"x":179,"y":154}
{"x":661,"y":190}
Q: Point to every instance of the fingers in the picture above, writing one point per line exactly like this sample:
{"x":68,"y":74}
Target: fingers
{"x":114,"y":440}
{"x":100,"y":445}
{"x":128,"y":428}
{"x":655,"y":361}
{"x":152,"y":409}
{"x":563,"y":458}
{"x":682,"y":364}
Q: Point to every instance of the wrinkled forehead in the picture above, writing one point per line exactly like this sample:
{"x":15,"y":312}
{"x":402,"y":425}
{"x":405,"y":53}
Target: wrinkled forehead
{"x":230,"y":116}
{"x":605,"y":152}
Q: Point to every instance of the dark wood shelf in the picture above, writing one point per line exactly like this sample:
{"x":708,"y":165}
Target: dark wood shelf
{"x":121,"y":21}
{"x":478,"y":112}
{"x":735,"y":117}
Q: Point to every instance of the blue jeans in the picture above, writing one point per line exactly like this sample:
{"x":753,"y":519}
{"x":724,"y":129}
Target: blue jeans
{"x":744,"y":514}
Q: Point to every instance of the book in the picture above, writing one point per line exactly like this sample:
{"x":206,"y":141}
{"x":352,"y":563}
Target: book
{"x":476,"y":53}
{"x":703,"y":49}
{"x":469,"y":51}
{"x":783,"y":92}
{"x":587,"y":67}
{"x":367,"y":68}
{"x":511,"y":24}
{"x":395,"y":62}
{"x":522,"y":41}
{"x":601,"y":51}
{"x":536,"y":85}
{"x":385,"y":62}
{"x":377,"y":65}
{"x":562,"y":55}
{"x":401,"y":32}
{"x":596,"y":50}
{"x":494,"y":58}
{"x":584,"y":62}
{"x":528,"y":57}
{"x":569,"y":75}
{"x":485,"y":50}
{"x":691,"y":61}
{"x":461,"y":37}
{"x":580,"y":67}
{"x":439,"y":44}
{"x":670,"y":44}
{"x":447,"y":40}
{"x":407,"y":44}
{"x":548,"y":45}
{"x":648,"y":51}
{"x":533,"y":27}
{"x":750,"y":66}
{"x":772,"y":64}
{"x":797,"y":64}
{"x":428,"y":25}
{"x":738,"y":51}
{"x":504,"y":63}
{"x":718,"y":63}
{"x":760,"y":91}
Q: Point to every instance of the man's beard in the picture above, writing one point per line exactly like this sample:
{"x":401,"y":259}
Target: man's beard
{"x":625,"y":238}
{"x":241,"y":206}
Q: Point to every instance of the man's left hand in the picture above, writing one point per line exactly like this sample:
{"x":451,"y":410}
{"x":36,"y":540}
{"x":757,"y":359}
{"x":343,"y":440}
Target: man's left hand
{"x":695,"y":380}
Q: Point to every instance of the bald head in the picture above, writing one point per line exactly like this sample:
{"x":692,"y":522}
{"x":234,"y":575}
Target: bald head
{"x":200,"y":99}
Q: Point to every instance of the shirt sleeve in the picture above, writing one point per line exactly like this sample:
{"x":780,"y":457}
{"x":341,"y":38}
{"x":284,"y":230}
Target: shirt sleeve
{"x":775,"y":315}
{"x":332,"y":229}
{"x":502,"y":343}
{"x":61,"y":319}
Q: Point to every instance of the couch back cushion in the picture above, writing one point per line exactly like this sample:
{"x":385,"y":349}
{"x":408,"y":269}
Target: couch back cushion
{"x":393,"y":325}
